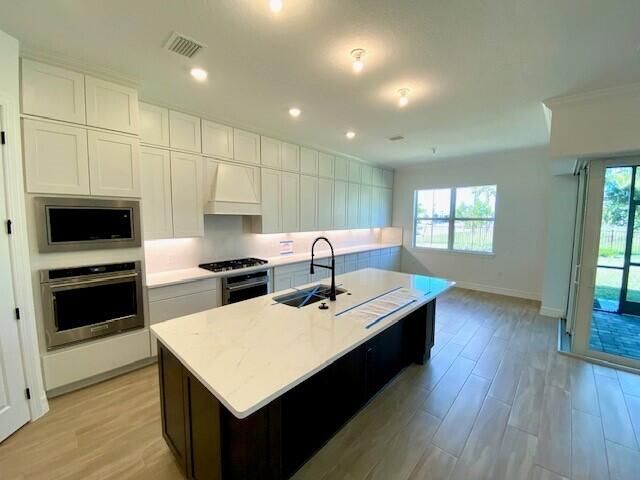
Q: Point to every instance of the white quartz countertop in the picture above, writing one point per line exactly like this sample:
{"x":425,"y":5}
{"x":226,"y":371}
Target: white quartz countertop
{"x":249,"y":353}
{"x":185,"y":275}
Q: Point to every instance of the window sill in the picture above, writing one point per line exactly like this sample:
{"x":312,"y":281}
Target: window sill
{"x":446,"y":250}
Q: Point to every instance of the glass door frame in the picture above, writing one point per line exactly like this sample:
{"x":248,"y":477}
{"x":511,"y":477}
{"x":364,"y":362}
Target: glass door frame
{"x":580,"y":340}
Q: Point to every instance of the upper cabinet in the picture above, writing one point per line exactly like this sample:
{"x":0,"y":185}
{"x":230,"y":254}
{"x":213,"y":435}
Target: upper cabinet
{"x":114,"y":164}
{"x":246,"y":147}
{"x":308,"y":161}
{"x":376,"y":178}
{"x":154,"y":124}
{"x":341,"y":169}
{"x":52,"y":92}
{"x":217,"y":140}
{"x":186,"y":195}
{"x":111,"y":106}
{"x":184,"y":132}
{"x":326,"y":165}
{"x":290,"y":157}
{"x":355,"y":171}
{"x":270,"y":152}
{"x":157,"y":216}
{"x":387,"y":178}
{"x":366,"y":174}
{"x":55,"y":158}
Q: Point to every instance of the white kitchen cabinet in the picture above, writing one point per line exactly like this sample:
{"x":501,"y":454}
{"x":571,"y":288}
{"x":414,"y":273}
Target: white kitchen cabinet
{"x":376,"y":177}
{"x":290,"y":202}
{"x":56,"y":159}
{"x":375,"y":259}
{"x":387,"y":204}
{"x":155,"y":170}
{"x":364,"y":211}
{"x":326,"y":164}
{"x":340,"y":205}
{"x":186,"y":195}
{"x":271,"y":186}
{"x":290,"y":157}
{"x":376,"y":207}
{"x":364,"y":260}
{"x":185,"y":132}
{"x":355,"y":171}
{"x":154,"y":124}
{"x":114,"y":164}
{"x":353,"y":205}
{"x":111,"y":106}
{"x":217,"y":140}
{"x":387,"y":178}
{"x":270,"y":152}
{"x":308,"y":161}
{"x":341,"y":168}
{"x":282,"y":281}
{"x":246,"y":147}
{"x":366,"y":172}
{"x":390,"y":259}
{"x":325,"y":204}
{"x":351,"y":262}
{"x":308,"y":203}
{"x":52,"y":92}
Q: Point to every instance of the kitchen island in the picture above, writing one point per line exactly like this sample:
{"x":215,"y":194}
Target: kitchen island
{"x":254,"y":389}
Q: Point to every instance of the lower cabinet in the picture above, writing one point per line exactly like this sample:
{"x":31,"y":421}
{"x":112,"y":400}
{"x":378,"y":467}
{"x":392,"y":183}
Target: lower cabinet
{"x":274,"y":442}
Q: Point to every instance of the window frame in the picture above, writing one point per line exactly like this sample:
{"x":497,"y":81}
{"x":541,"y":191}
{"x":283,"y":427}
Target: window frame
{"x":451,"y":219}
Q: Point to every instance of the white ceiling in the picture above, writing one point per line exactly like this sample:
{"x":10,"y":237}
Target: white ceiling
{"x":478,"y":69}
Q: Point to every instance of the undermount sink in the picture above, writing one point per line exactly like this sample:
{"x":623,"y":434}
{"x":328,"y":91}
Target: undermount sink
{"x":307,"y":296}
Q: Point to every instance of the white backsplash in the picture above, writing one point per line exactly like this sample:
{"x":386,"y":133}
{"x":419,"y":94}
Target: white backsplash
{"x":228,"y":237}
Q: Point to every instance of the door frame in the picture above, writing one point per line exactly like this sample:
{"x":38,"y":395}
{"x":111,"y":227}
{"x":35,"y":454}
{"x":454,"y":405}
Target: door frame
{"x":19,"y":254}
{"x":589,"y":261}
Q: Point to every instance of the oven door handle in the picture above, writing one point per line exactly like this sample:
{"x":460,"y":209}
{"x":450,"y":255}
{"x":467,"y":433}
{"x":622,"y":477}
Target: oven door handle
{"x":103,"y":280}
{"x":243,"y":286}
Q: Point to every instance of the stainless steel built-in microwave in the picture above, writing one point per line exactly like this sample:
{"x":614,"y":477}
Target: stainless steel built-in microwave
{"x":70,"y":224}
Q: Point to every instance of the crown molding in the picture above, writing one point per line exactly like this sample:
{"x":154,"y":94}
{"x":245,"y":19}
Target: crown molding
{"x":593,"y":96}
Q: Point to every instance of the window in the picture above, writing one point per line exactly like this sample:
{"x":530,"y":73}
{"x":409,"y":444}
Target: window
{"x":460,"y":219}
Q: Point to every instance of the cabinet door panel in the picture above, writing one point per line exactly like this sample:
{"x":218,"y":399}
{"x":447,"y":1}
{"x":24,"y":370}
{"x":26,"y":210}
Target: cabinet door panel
{"x":364,"y":215}
{"x":184,"y":132}
{"x":376,"y":177}
{"x":283,"y":281}
{"x":111,"y":106}
{"x":217,"y":140}
{"x":367,"y":174}
{"x":270,"y":152}
{"x":290,"y":202}
{"x":246,"y":147}
{"x":387,"y":178}
{"x":290,"y":157}
{"x":52,"y":92}
{"x":326,"y":165}
{"x":114,"y":164}
{"x":186,"y":195}
{"x":325,"y":204}
{"x":271,"y":197}
{"x":308,"y":203}
{"x":340,"y":205}
{"x":387,"y":205}
{"x":355,"y":171}
{"x":385,"y":357}
{"x":154,"y":124}
{"x":155,"y":168}
{"x":353,"y":204}
{"x":308,"y":161}
{"x":173,"y":398}
{"x":301,"y":278}
{"x":341,"y":169}
{"x":56,"y":158}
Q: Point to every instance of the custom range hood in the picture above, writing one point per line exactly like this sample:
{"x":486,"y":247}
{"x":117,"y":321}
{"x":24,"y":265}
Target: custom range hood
{"x":233,"y":189}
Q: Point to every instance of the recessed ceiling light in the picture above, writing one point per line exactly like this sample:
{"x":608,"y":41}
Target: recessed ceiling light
{"x":357,"y":55}
{"x":350,"y":134}
{"x":199,"y":74}
{"x":403,"y":100}
{"x":275,"y":5}
{"x":295,"y":112}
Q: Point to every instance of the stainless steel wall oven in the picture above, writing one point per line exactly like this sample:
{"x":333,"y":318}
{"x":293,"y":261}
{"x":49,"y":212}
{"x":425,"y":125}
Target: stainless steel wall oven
{"x":81,"y":303}
{"x":71,"y":224}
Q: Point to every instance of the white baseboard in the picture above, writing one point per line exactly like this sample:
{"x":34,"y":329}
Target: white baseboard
{"x":498,"y":290}
{"x":551,"y":312}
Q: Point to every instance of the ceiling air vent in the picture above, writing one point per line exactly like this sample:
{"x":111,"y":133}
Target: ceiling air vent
{"x":396,"y":138}
{"x":182,"y":45}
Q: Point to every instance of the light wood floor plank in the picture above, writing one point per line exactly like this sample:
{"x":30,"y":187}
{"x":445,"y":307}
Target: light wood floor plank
{"x":442,"y":397}
{"x":515,"y":458}
{"x":554,"y":437}
{"x":584,"y":396}
{"x":540,"y":473}
{"x":435,"y":464}
{"x":629,"y":382}
{"x":633,"y":405}
{"x":588,"y":454}
{"x":489,"y":362}
{"x":474,"y":348}
{"x":624,"y":463}
{"x":613,"y":409}
{"x":505,"y":382}
{"x":525,"y":413}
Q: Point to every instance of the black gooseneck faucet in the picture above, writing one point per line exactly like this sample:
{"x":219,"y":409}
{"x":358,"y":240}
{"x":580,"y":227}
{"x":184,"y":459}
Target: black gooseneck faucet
{"x":332,"y":294}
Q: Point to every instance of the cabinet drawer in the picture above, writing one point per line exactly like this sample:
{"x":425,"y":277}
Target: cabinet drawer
{"x":294,"y":267}
{"x":181,"y":289}
{"x":169,"y":308}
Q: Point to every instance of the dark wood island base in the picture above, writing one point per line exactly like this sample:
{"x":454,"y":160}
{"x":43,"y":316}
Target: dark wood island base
{"x":209,"y":442}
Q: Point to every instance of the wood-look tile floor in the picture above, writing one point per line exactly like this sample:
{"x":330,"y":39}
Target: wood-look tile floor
{"x":495,"y":402}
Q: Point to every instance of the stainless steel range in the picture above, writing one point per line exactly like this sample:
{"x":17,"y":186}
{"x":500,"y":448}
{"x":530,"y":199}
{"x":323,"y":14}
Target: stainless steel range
{"x":236,"y":288}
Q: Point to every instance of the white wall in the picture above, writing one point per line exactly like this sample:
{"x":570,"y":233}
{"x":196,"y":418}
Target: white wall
{"x":523,"y":180}
{"x":228,"y":237}
{"x":559,"y":245}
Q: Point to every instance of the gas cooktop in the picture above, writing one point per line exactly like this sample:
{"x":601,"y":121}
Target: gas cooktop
{"x":232,"y":264}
